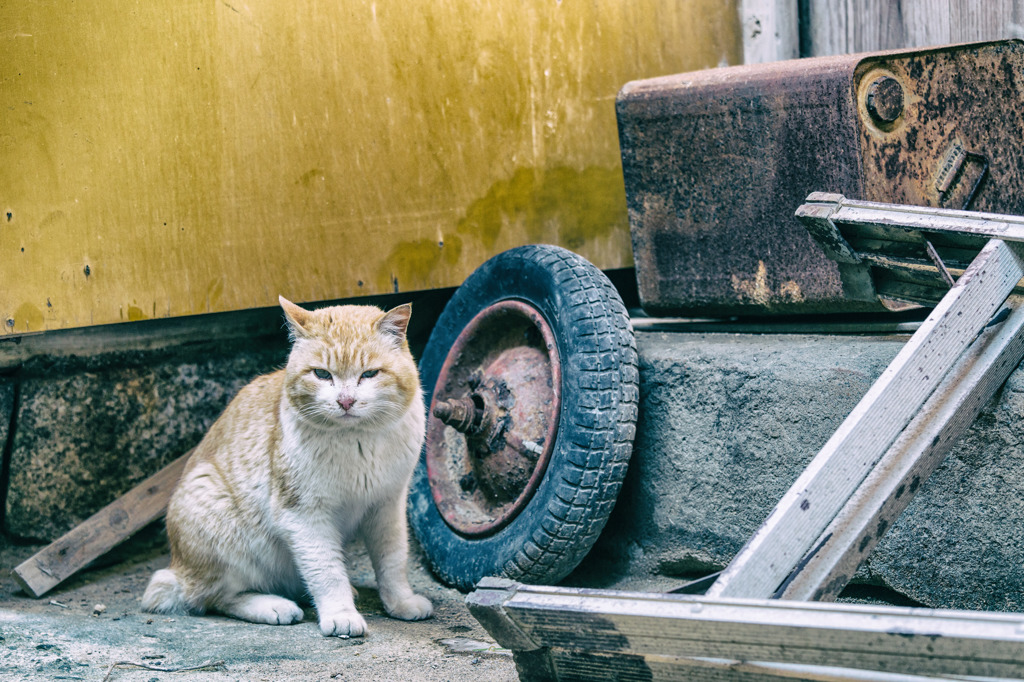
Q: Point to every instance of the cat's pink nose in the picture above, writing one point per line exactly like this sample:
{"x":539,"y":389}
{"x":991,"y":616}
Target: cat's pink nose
{"x":346,"y":402}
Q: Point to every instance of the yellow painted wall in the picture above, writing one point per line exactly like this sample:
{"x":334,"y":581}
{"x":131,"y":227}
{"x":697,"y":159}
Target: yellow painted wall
{"x":172,"y":157}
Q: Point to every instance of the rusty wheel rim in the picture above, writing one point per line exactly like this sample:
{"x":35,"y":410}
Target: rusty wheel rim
{"x":493,"y":418}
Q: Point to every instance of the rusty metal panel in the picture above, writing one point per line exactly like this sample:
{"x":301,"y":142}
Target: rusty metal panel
{"x":953,"y":136}
{"x":716,"y":163}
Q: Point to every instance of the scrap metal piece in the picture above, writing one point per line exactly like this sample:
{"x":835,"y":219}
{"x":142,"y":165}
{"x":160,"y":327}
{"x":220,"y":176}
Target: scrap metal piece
{"x":937,"y":259}
{"x":715,"y":163}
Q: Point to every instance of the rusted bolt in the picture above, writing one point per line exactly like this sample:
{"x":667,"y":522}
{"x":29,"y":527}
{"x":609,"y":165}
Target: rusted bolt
{"x":462,"y":415}
{"x":527,"y":448}
{"x":885,"y":99}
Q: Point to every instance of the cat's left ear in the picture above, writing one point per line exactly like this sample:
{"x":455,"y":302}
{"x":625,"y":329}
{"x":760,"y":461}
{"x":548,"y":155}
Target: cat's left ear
{"x":396,"y":321}
{"x":297,"y":318}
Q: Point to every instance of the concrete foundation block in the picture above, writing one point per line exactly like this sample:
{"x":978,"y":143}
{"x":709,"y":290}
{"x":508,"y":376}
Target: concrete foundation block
{"x":727,"y":423}
{"x":82,"y":440}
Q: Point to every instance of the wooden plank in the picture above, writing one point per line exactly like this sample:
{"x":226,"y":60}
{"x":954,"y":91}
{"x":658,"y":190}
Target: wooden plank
{"x":897,"y":251}
{"x":890,"y":220}
{"x":877,"y":325}
{"x":901,"y":472}
{"x":579,"y":665}
{"x":988,"y":20}
{"x":838,"y":469}
{"x":101,"y":532}
{"x":951,"y":256}
{"x":848,"y":26}
{"x":917,"y":273}
{"x":897,"y":290}
{"x":771,"y":30}
{"x":639,"y":626}
{"x":911,"y":270}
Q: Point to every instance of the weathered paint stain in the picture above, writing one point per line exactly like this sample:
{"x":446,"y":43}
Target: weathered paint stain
{"x":560,"y":205}
{"x":556,"y":206}
{"x":135,"y":313}
{"x":417,"y":261}
{"x":239,"y":157}
{"x":28,"y":318}
{"x":758,"y":290}
{"x":213,"y":294}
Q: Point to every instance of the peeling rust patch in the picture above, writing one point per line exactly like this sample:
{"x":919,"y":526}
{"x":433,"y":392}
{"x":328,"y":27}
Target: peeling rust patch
{"x":758,"y":291}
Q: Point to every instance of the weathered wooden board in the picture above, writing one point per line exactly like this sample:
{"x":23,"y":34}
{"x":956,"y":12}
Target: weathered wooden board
{"x":771,"y":30}
{"x":576,"y":666}
{"x":847,"y":26}
{"x":909,"y":253}
{"x":837,"y":470}
{"x":890,"y":221}
{"x":102,"y":531}
{"x":653,"y":635}
{"x":904,"y":468}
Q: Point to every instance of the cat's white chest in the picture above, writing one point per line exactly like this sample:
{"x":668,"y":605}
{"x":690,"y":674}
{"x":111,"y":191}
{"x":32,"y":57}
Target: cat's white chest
{"x":352,"y":469}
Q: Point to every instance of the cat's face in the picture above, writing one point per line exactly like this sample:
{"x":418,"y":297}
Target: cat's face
{"x":350,"y":366}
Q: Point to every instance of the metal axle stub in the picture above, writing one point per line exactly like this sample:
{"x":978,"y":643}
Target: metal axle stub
{"x":462,"y":415}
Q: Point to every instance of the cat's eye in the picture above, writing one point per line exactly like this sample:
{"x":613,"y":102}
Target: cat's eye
{"x":369,"y":374}
{"x":321,"y":374}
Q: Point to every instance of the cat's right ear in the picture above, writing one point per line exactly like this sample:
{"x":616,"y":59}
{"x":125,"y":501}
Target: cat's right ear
{"x":296,"y":317}
{"x":395,"y":322}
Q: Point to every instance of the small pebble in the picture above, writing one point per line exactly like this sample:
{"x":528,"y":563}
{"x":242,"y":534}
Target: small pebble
{"x":98,"y":609}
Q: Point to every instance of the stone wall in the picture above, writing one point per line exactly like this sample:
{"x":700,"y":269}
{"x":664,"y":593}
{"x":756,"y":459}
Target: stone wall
{"x":727,"y":423}
{"x":87,"y":431}
{"x":81,"y":440}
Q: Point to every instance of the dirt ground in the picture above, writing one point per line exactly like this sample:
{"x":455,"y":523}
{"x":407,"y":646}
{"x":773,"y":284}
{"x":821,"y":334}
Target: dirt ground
{"x":88,"y":626}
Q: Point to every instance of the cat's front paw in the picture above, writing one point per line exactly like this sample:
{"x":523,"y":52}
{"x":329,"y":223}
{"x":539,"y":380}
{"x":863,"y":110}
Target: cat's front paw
{"x":344,"y":623}
{"x":263,"y":608}
{"x":413,"y":607}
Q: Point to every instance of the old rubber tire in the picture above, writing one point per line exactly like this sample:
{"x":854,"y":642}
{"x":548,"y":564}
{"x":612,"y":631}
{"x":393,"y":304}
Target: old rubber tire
{"x":596,"y":425}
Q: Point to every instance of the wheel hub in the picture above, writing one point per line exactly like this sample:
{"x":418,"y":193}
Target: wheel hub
{"x":494,"y":418}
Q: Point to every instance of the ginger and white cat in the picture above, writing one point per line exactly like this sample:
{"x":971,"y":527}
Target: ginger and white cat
{"x":301,"y":461}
